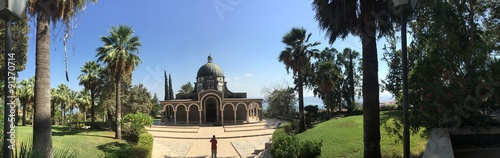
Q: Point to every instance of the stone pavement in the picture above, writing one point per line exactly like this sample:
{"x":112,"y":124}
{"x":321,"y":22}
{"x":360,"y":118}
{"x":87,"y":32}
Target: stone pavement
{"x":193,"y":141}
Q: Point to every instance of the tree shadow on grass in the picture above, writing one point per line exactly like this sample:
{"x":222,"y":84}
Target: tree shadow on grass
{"x":65,"y":130}
{"x":114,"y":147}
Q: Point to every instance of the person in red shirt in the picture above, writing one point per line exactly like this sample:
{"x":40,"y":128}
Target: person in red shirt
{"x":214,"y":146}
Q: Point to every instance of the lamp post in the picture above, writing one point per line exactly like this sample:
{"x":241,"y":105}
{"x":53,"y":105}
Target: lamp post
{"x":404,"y":8}
{"x":10,"y":11}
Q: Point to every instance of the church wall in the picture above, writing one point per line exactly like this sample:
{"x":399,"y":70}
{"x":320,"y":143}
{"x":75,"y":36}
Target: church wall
{"x":228,"y":112}
{"x":241,"y":112}
{"x":194,"y":114}
{"x":181,"y":113}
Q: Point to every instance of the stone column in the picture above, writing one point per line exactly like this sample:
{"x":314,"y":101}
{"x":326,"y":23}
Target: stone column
{"x":222,"y":114}
{"x":162,"y":116}
{"x":234,"y":116}
{"x":175,"y":117}
{"x":257,"y":114}
{"x":200,"y":116}
{"x":248,"y":111}
{"x":187,"y":116}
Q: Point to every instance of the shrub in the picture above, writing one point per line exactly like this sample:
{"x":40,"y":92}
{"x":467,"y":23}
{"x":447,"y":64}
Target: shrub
{"x":134,"y":123}
{"x":310,"y":148}
{"x":284,"y":145}
{"x":144,"y":147}
{"x":357,"y":111}
{"x":311,"y":109}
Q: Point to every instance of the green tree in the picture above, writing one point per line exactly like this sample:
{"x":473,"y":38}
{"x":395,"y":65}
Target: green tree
{"x":167,"y":90}
{"x":26,"y":95}
{"x":72,"y":102}
{"x":325,"y":76}
{"x":90,"y":80}
{"x":296,"y":56}
{"x":62,"y":97}
{"x":186,"y":88}
{"x":393,"y":82}
{"x":20,"y":40}
{"x":46,"y":12}
{"x":84,"y":101}
{"x":361,"y":18}
{"x":155,"y":106}
{"x":453,"y":79}
{"x":170,"y":88}
{"x":351,"y":81}
{"x":281,"y":100}
{"x":138,"y":100}
{"x":119,"y":53}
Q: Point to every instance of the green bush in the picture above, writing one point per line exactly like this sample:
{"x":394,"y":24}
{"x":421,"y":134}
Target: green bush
{"x":144,"y":147}
{"x":289,"y":127}
{"x":286,"y":145}
{"x":310,"y":149}
{"x":134,"y":123}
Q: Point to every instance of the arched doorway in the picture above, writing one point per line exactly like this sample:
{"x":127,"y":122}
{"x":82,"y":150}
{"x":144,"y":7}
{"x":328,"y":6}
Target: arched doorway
{"x":211,"y":109}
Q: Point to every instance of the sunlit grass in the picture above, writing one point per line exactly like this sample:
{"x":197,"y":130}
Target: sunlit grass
{"x":87,"y":143}
{"x":344,"y":138}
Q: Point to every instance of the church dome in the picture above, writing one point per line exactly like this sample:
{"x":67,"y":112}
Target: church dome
{"x":210,"y":69}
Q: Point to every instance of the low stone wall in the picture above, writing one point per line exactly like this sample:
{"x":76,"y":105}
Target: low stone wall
{"x":439,"y":144}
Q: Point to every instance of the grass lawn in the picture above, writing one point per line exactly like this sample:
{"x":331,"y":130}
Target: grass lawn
{"x":344,"y":138}
{"x":87,"y":143}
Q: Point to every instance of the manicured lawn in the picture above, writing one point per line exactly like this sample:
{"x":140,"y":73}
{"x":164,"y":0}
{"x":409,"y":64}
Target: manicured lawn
{"x":87,"y":143}
{"x":344,"y":138}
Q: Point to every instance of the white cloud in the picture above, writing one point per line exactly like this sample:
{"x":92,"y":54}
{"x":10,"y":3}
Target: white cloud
{"x":248,"y":75}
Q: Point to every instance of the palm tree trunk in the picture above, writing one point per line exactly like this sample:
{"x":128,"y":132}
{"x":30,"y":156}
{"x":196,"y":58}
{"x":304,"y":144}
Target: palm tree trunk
{"x":118,"y":133}
{"x":371,"y":118}
{"x":63,"y":113}
{"x":302,"y":125}
{"x":42,"y":126}
{"x":24,"y":114}
{"x":71,"y":112}
{"x":92,"y":110}
{"x":328,"y":105}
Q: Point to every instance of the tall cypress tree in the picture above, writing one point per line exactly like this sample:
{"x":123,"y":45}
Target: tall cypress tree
{"x":166,"y":86}
{"x":170,"y":90}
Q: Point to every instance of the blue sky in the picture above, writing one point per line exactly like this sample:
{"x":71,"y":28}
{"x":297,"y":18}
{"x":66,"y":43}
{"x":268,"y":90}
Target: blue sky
{"x":243,"y":37}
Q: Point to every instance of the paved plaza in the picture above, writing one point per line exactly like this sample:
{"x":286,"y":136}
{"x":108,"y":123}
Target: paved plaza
{"x":234,"y":140}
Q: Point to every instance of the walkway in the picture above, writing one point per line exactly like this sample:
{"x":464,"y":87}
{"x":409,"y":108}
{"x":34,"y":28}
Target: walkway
{"x":193,"y":141}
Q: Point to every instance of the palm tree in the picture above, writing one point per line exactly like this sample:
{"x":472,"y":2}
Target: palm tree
{"x":341,"y":18}
{"x":296,"y":56}
{"x":89,"y":79}
{"x":84,"y":101}
{"x":186,"y":88}
{"x":54,"y":103}
{"x":72,"y":102}
{"x":325,"y":76}
{"x":62,"y":97}
{"x":120,"y":55}
{"x":46,"y":12}
{"x":26,"y":95}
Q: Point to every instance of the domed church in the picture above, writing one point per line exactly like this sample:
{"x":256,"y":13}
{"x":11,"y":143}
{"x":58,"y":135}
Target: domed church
{"x":211,"y":102}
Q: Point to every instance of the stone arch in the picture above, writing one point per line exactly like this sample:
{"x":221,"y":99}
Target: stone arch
{"x":166,"y":106}
{"x":228,"y":112}
{"x":194,"y":112}
{"x":167,"y":112}
{"x":241,"y":111}
{"x":194,"y":104}
{"x":224,"y":106}
{"x":181,"y":112}
{"x":211,"y":110}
